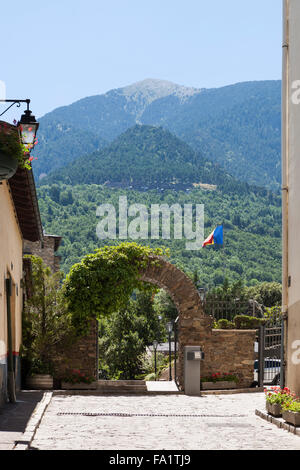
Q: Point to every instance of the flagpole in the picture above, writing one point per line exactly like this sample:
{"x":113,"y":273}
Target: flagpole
{"x":224,"y":253}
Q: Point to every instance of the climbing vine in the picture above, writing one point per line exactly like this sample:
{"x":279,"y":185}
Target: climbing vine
{"x":102,"y":282}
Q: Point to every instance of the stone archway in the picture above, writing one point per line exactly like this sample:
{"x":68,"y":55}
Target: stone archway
{"x":226,"y":351}
{"x":193,"y":325}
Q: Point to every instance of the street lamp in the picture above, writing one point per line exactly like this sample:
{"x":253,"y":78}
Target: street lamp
{"x":155,"y":344}
{"x":28,"y":125}
{"x":169,"y":329}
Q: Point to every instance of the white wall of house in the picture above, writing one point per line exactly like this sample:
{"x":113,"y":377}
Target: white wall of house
{"x":291,"y":189}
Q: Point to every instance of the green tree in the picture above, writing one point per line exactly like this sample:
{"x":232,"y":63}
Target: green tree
{"x":46,"y":323}
{"x":125,"y":335}
{"x":267,"y":293}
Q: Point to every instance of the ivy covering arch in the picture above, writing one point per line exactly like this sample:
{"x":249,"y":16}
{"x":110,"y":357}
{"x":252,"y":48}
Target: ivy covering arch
{"x":102,"y":282}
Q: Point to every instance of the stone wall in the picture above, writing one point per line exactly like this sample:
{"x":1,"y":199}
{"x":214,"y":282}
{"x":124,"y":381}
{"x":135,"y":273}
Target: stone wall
{"x":226,"y":351}
{"x":82,"y":355}
{"x":45,"y":250}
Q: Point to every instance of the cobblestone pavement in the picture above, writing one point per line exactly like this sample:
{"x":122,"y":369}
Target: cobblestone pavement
{"x":222,"y":422}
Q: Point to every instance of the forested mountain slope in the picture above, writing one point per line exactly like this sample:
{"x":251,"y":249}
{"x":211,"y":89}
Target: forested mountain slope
{"x":237,"y":126}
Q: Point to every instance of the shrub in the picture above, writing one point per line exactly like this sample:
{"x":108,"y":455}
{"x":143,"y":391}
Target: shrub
{"x":224,"y":324}
{"x":245,"y":322}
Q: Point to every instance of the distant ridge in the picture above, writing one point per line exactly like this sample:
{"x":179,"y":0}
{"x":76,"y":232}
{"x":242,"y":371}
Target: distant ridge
{"x":145,"y":158}
{"x":237,"y":126}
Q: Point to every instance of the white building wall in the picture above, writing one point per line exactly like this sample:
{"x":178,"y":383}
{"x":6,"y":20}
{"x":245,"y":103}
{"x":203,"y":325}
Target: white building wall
{"x":291,"y":189}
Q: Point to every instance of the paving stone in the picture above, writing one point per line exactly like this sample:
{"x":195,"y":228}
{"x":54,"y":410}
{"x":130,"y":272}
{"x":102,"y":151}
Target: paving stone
{"x":227,"y":422}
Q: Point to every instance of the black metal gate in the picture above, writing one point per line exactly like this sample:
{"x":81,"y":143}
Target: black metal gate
{"x":269,"y":367}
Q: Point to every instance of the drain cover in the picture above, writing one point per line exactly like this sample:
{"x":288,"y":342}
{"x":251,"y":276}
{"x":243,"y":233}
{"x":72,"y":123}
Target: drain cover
{"x":150,"y":415}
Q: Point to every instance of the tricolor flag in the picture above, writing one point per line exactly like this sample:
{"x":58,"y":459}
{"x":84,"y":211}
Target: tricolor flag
{"x":215,"y":238}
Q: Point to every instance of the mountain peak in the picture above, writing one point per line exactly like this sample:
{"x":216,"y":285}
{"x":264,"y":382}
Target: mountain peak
{"x":152,"y":89}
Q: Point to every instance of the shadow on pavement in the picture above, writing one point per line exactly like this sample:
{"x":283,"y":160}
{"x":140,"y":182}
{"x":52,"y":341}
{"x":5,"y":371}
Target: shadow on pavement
{"x":15,"y":416}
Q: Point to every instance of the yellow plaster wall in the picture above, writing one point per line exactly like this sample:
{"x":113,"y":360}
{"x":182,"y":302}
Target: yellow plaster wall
{"x":11,"y":248}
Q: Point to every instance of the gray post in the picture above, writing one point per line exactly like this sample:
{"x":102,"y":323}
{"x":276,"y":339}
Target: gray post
{"x":192,"y":359}
{"x":261,"y":369}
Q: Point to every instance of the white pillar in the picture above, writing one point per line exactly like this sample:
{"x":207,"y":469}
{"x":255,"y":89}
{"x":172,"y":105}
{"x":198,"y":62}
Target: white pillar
{"x":291,"y":189}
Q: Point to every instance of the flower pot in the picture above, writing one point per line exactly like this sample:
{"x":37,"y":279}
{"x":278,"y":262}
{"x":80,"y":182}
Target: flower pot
{"x":39,"y":382}
{"x":78,"y":386}
{"x":8,"y":166}
{"x":274,"y":409}
{"x":291,"y":417}
{"x":221,"y":385}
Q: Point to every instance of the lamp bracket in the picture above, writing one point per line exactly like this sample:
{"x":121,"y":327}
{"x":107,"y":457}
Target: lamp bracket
{"x":14,"y":102}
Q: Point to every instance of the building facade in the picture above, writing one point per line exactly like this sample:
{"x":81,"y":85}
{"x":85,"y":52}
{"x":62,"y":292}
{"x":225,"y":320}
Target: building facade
{"x":291,"y":190}
{"x":20,"y":222}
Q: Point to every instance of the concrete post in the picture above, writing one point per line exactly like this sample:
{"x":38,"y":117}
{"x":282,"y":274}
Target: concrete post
{"x":192,"y":360}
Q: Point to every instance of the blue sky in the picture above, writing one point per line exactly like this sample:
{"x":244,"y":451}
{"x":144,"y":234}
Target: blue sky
{"x":60,"y":51}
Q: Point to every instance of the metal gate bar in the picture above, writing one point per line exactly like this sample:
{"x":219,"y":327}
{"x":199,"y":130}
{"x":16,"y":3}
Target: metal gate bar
{"x":271,"y":353}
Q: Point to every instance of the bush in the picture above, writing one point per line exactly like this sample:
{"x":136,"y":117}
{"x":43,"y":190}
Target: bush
{"x":224,"y":324}
{"x":245,"y":322}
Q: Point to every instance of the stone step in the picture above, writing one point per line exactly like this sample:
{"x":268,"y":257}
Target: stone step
{"x":120,"y":383}
{"x":121,"y":392}
{"x":121,"y":386}
{"x":120,"y":389}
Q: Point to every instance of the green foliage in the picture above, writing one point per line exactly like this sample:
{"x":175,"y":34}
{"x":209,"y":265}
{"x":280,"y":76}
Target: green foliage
{"x":46,"y":323}
{"x":246,"y":322}
{"x":268,"y":294}
{"x":219,"y":377}
{"x":236,"y":126}
{"x":37,"y":366}
{"x":273,"y":315}
{"x":145,"y":157}
{"x":77,"y":224}
{"x":76,"y":377}
{"x":148,"y":366}
{"x":228,"y":291}
{"x":164,"y":307}
{"x":240,"y":322}
{"x":125,"y":335}
{"x":61,"y":143}
{"x":290,"y":404}
{"x":102,"y":283}
{"x":235,"y":298}
{"x":277,"y":396}
{"x":224,"y":324}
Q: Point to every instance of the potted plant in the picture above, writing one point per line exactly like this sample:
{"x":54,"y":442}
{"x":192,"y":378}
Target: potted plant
{"x":275,"y":399}
{"x":291,"y":412}
{"x":219,"y":381}
{"x":77,"y":380}
{"x":39,"y":376}
{"x":13,"y":153}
